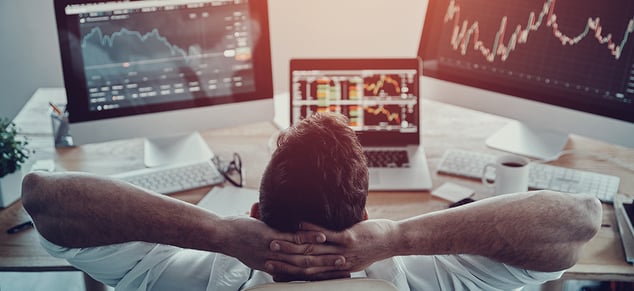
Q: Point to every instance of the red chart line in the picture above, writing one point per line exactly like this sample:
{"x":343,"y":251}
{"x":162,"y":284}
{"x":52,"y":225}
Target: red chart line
{"x":388,"y":115}
{"x":375,"y":87}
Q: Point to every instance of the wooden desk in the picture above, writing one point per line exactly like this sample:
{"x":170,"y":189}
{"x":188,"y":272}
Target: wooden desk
{"x":444,"y":127}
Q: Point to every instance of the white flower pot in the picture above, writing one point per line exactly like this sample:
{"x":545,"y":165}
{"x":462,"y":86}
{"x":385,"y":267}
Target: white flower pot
{"x":10,"y":188}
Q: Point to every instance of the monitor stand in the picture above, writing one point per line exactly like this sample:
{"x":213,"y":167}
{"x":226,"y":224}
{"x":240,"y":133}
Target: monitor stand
{"x":522,"y":139}
{"x":176,"y":149}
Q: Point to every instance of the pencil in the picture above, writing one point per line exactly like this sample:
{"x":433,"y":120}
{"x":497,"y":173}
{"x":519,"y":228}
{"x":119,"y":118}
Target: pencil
{"x":55,"y":108}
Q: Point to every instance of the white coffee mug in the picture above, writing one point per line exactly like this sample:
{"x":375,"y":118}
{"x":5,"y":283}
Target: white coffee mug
{"x":511,"y":174}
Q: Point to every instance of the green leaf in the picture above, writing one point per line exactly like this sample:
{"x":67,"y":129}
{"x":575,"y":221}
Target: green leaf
{"x":14,"y":151}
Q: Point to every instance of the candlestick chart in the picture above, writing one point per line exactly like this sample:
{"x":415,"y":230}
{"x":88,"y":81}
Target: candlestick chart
{"x":466,"y":34}
{"x":580,"y":46}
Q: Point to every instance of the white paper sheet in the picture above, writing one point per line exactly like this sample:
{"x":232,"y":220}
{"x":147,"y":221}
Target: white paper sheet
{"x":229,"y":201}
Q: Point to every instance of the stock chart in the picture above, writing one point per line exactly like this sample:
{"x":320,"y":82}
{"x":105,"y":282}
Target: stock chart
{"x":372,"y":100}
{"x":582,"y":46}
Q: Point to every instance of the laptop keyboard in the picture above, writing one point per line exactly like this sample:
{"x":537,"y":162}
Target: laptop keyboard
{"x":387,"y":158}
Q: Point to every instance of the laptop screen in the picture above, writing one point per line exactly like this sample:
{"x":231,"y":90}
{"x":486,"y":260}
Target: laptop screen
{"x":379,"y":97}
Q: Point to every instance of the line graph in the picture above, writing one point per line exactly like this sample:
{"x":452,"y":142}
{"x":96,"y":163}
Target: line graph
{"x":129,"y":45}
{"x":464,"y":33}
{"x":381,"y":110}
{"x":374,"y":86}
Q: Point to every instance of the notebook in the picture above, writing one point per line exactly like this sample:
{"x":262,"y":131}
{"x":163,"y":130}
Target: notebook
{"x":381,"y":99}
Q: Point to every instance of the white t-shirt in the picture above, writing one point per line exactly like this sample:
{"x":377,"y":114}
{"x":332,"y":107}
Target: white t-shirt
{"x":147,"y":266}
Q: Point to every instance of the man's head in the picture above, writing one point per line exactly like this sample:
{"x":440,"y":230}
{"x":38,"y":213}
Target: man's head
{"x":317,"y":174}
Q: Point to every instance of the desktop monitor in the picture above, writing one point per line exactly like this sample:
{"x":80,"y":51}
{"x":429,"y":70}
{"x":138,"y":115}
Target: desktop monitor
{"x":555,"y":67}
{"x":164,"y":69}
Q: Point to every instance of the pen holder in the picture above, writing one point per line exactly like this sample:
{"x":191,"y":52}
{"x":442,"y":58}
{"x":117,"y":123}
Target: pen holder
{"x":61,"y":130}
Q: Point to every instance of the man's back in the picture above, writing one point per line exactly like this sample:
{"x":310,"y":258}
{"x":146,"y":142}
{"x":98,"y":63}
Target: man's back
{"x":146,"y":266}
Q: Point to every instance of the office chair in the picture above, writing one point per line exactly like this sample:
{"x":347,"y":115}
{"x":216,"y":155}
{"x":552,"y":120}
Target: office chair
{"x":355,"y":284}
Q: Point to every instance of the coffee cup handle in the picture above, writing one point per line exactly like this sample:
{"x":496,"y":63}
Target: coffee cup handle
{"x":484,"y":175}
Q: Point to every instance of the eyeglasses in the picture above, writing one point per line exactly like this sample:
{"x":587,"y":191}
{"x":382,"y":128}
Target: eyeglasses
{"x":232,"y":171}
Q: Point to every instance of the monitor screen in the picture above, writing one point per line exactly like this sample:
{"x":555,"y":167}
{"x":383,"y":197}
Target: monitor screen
{"x":124,"y":58}
{"x":574,"y":54}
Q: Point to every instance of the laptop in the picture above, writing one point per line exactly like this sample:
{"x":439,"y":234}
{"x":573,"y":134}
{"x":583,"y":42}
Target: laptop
{"x":381,"y":99}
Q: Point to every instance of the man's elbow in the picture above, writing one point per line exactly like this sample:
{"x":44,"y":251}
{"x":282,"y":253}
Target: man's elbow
{"x":592,"y":212}
{"x":32,"y":195}
{"x":577,"y":219}
{"x":577,"y":216}
{"x":587,"y":223}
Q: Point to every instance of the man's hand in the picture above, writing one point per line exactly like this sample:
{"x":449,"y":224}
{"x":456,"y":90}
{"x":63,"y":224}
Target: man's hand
{"x":257,"y":245}
{"x":361,"y":245}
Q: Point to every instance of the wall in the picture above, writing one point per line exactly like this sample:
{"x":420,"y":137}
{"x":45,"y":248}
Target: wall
{"x":29,"y":54}
{"x":342,"y":28}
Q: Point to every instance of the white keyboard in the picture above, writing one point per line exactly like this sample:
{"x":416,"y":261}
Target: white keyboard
{"x":470,"y":164}
{"x":174,"y":178}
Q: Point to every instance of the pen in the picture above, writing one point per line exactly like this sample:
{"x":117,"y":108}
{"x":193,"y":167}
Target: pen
{"x":55,"y":108}
{"x":20,"y":227}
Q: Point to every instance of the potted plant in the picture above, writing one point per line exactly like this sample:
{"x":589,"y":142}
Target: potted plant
{"x":13,"y":154}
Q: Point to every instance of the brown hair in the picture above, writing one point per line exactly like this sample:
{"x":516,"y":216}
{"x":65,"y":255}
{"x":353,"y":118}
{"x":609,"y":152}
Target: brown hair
{"x":317,"y":174}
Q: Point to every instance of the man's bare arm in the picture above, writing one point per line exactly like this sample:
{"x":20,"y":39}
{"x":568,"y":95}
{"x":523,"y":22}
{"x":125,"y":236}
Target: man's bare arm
{"x":541,"y":231}
{"x":81,"y":210}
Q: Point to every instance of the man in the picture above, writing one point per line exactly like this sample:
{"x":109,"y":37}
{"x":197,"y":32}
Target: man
{"x":312,"y":198}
